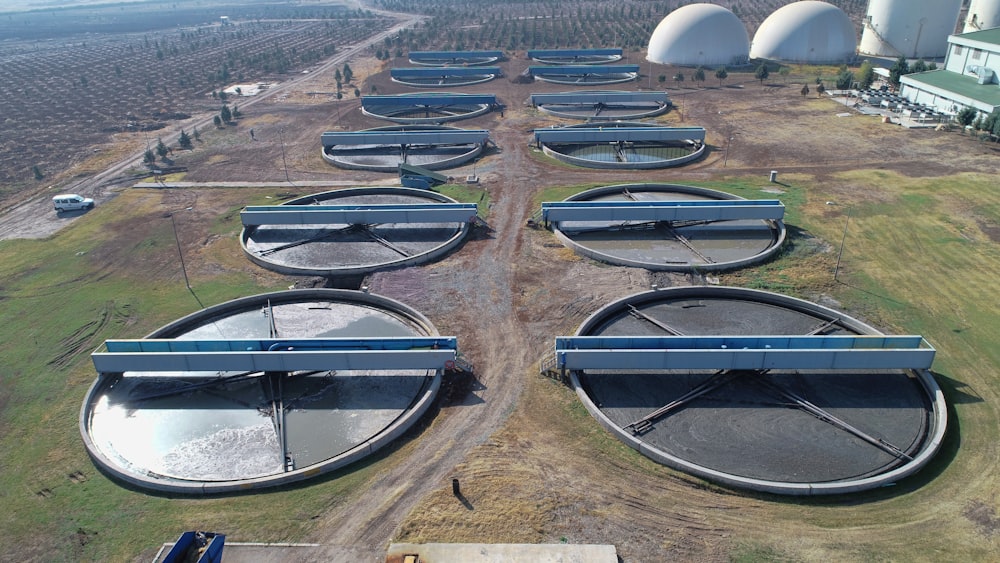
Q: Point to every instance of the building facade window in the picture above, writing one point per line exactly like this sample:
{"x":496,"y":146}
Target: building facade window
{"x":958,"y":50}
{"x":976,"y":53}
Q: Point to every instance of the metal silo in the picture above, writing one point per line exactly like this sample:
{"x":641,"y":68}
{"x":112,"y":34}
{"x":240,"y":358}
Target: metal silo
{"x":983,"y":14}
{"x":911,"y":28}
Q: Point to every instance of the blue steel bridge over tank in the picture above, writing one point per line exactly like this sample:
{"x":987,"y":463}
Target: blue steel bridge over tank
{"x":436,"y":107}
{"x":444,"y":58}
{"x":576,"y":56}
{"x":604,"y":105}
{"x":285,"y":355}
{"x":585,"y":74}
{"x":816,"y":352}
{"x":444,"y":76}
{"x":358,"y":214}
{"x":406,"y":138}
{"x":671,"y":211}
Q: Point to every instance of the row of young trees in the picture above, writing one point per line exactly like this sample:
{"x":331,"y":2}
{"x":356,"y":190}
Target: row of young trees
{"x":987,"y":125}
{"x":697,"y":76}
{"x":185,"y":141}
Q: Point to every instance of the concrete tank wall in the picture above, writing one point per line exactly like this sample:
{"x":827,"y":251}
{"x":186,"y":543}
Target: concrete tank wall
{"x":911,"y":28}
{"x":983,"y":14}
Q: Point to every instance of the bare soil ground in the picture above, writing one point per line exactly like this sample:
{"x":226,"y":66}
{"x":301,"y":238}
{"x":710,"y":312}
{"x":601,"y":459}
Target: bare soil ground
{"x":511,"y":436}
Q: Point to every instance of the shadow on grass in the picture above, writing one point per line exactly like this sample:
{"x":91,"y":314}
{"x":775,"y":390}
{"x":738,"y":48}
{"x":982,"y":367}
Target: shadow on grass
{"x":872,"y":293}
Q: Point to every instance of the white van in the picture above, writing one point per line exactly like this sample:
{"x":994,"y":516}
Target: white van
{"x":71,"y":202}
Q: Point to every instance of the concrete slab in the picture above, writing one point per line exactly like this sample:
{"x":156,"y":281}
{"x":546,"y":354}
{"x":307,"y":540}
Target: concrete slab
{"x":500,"y":553}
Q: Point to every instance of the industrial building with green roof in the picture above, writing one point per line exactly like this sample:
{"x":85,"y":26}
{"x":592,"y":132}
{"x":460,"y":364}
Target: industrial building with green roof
{"x":969,"y":77}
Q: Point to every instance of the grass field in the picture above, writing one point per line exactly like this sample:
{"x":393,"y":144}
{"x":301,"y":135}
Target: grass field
{"x":920,"y":255}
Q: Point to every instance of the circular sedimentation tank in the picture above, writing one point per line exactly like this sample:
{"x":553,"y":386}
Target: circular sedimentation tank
{"x":744,"y":434}
{"x":453,"y":59}
{"x":578,"y":59}
{"x":637,"y":155}
{"x":387,"y":158}
{"x":604,"y":111}
{"x":445,"y":80}
{"x":342,"y":250}
{"x":203,"y":433}
{"x":552,"y":76}
{"x":427,"y":114}
{"x":716,"y":246}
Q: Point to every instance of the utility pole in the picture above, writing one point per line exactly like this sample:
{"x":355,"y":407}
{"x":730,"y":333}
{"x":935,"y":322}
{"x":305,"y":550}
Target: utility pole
{"x":843,"y":240}
{"x":283,"y":161}
{"x":179,"y":252}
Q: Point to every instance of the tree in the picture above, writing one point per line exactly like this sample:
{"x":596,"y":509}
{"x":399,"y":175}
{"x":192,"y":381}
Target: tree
{"x":226,"y":115}
{"x":898,"y":69}
{"x":919,"y":66}
{"x":217,"y":121}
{"x":196,"y":134}
{"x":784,"y":72}
{"x":966,"y":116}
{"x":348,"y":73}
{"x":184,"y":140}
{"x":865,"y":75}
{"x":357,"y":93}
{"x":699,"y":75}
{"x":661,"y":78}
{"x":337,"y":76}
{"x":678,"y":78}
{"x":148,"y":157}
{"x":845,"y":79}
{"x":762,"y":73}
{"x":161,"y":149}
{"x":721,"y":74}
{"x":820,"y":89}
{"x":236,"y":112}
{"x":991,"y":124}
{"x":805,"y":90}
{"x":37,"y":172}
